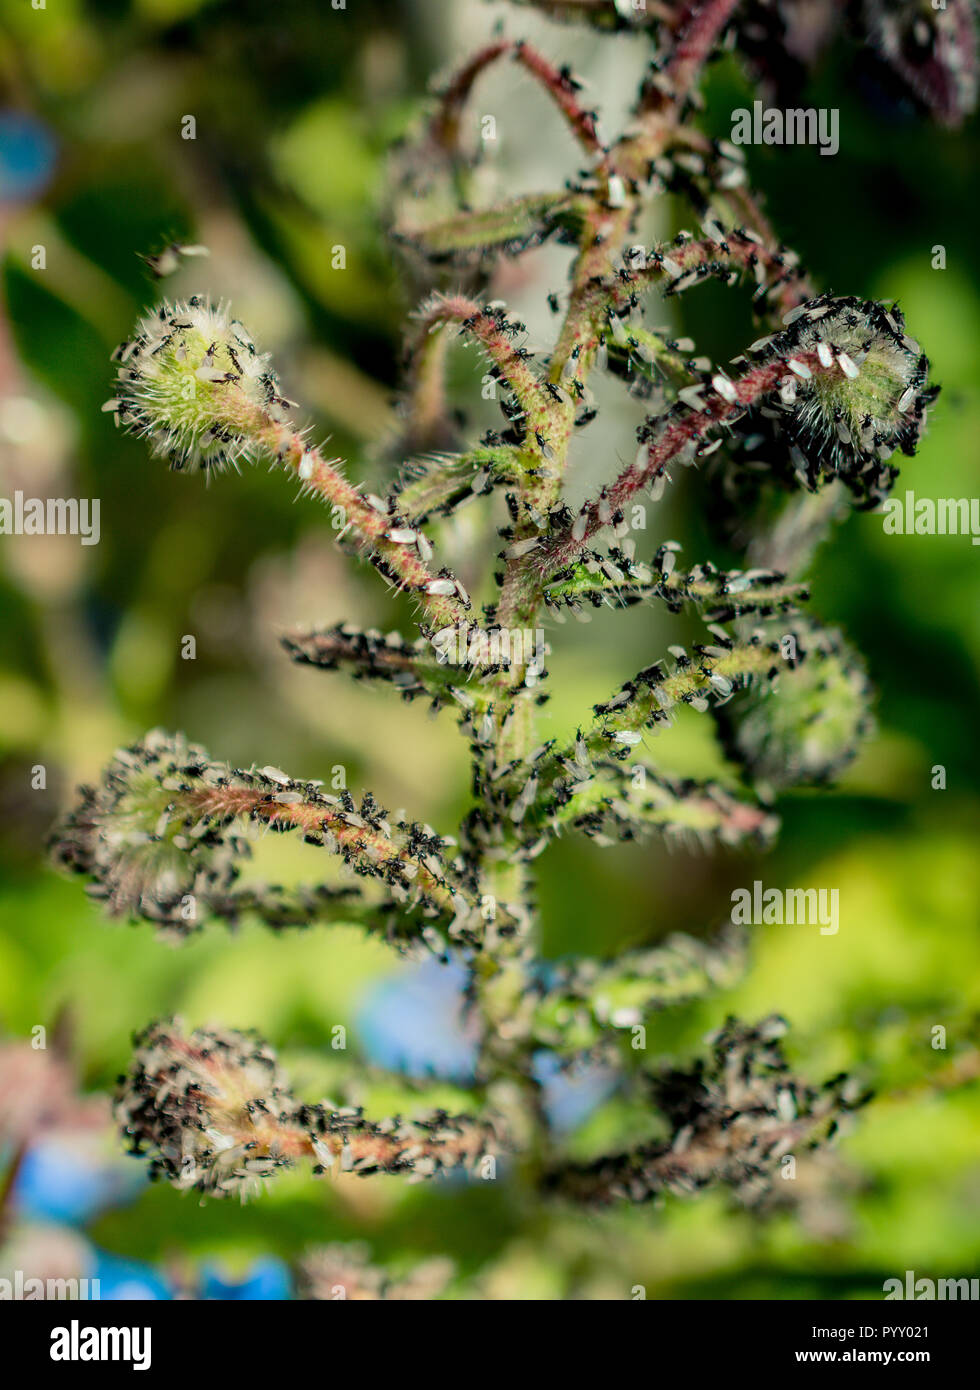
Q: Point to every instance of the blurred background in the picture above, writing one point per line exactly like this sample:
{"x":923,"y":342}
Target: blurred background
{"x":296,"y":106}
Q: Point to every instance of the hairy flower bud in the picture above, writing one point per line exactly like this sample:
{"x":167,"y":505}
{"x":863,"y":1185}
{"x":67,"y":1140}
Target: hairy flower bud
{"x":732,"y":1119}
{"x":213,"y":1113}
{"x":808,"y":728}
{"x":210,"y":1108}
{"x":848,"y":423}
{"x":146,"y":855}
{"x":161,"y":838}
{"x":191,"y":382}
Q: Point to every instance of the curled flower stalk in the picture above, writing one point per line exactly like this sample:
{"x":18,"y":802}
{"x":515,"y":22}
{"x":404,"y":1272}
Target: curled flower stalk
{"x":212,"y":1111}
{"x":191,"y":382}
{"x":816,"y":408}
{"x":732,"y":1119}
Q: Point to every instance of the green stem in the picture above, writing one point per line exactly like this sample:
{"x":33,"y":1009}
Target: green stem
{"x":499,"y":985}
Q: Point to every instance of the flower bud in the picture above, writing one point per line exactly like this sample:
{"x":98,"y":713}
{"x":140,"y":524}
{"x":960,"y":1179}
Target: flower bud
{"x":209,"y":1108}
{"x":212,"y":1112}
{"x":811,"y":725}
{"x":848,"y":422}
{"x":148,"y":856}
{"x":191,"y":382}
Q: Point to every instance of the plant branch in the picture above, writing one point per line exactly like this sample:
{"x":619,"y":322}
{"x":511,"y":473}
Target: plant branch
{"x":674,"y":438}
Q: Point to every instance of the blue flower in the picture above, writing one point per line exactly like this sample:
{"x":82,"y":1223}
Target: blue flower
{"x":266,"y":1281}
{"x":122,"y":1280}
{"x":27,"y":156}
{"x":413,"y":1022}
{"x":69,"y":1183}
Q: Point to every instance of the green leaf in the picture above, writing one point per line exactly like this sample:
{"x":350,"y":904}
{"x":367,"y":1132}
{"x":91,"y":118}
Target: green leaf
{"x":587,"y":1000}
{"x":811,"y":728}
{"x":511,"y":227}
{"x":624,"y":801}
{"x":443,"y":482}
{"x":54,"y":341}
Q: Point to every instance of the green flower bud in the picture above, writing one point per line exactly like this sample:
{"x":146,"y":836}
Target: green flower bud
{"x":848,"y":423}
{"x":808,"y":728}
{"x":191,"y":382}
{"x":146,"y":856}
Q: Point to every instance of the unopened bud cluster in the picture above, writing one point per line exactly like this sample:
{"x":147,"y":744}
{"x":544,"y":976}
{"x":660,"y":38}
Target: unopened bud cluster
{"x":134,"y":835}
{"x":870,"y":401}
{"x":210,"y":1109}
{"x":813,"y":727}
{"x":191,"y":382}
{"x":733,"y":1118}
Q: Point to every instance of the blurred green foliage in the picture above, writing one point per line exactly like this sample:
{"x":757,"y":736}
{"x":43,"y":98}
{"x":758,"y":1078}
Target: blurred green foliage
{"x":296,"y":105}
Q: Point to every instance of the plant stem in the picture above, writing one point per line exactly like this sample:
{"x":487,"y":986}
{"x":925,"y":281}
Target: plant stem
{"x":499,"y":979}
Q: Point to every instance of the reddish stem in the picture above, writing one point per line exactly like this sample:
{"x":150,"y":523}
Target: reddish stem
{"x":490,"y":331}
{"x":562,"y":91}
{"x":445,"y":124}
{"x":698,"y":28}
{"x":8,"y":1185}
{"x":360,"y":845}
{"x":400,"y":560}
{"x":669,"y":442}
